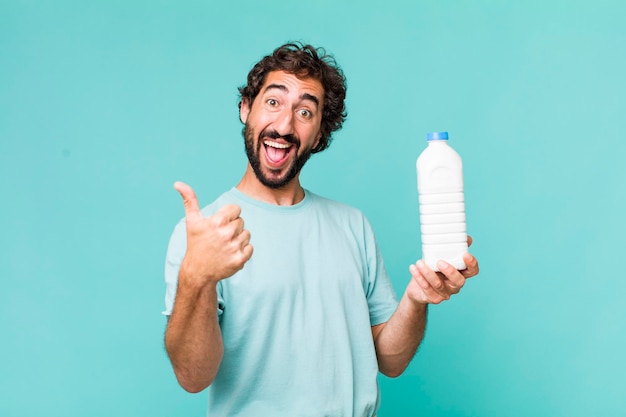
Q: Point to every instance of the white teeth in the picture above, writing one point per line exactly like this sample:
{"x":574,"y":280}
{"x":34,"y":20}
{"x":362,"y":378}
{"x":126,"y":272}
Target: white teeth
{"x":277,"y":145}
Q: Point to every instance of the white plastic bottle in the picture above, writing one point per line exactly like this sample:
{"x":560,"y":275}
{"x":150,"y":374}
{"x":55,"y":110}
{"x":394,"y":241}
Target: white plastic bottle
{"x":442,"y":203}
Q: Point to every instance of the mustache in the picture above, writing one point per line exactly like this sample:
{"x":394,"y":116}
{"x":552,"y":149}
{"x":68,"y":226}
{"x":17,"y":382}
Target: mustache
{"x":272,"y":134}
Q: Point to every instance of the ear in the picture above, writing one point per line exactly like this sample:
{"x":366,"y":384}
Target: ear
{"x":244,"y":111}
{"x":317,"y":139}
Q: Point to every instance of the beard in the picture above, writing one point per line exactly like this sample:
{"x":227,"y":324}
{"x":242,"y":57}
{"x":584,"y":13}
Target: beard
{"x":253,"y":152}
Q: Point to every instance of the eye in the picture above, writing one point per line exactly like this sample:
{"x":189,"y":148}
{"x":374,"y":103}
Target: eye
{"x":305,"y":114}
{"x":272,"y":102}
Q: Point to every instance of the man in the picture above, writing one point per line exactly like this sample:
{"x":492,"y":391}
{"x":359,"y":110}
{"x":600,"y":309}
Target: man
{"x":301,"y":324}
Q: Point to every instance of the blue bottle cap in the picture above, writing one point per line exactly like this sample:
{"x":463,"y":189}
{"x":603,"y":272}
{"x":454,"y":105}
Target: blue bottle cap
{"x":437,"y":136}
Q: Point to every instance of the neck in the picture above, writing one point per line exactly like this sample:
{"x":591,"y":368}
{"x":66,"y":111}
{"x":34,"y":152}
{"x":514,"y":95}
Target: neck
{"x":288,"y":195}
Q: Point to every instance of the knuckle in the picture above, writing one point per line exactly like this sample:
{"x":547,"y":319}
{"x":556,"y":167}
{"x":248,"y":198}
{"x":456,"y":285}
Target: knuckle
{"x":215,"y":220}
{"x":240,"y":260}
{"x":438,"y":284}
{"x":250,"y":252}
{"x":236,"y":209}
{"x":223,"y":233}
{"x":458,"y":283}
{"x":232,"y":210}
{"x":422,"y":282}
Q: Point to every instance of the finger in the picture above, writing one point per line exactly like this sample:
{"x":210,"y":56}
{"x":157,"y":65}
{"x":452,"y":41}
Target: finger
{"x":453,"y":279}
{"x":244,"y":238}
{"x":247,"y":251}
{"x":242,"y":256}
{"x":237,"y":225}
{"x":429,"y":294}
{"x":240,"y":241}
{"x":190,"y":201}
{"x":433,"y":279}
{"x":227,"y":214}
{"x":469,"y":241}
{"x":243,"y":242}
{"x":472,"y":266}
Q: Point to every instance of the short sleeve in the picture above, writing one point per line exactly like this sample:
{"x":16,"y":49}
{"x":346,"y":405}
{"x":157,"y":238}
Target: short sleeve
{"x":381,"y":297}
{"x":175,"y":253}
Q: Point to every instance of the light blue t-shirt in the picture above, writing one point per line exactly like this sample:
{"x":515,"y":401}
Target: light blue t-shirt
{"x":296,"y":320}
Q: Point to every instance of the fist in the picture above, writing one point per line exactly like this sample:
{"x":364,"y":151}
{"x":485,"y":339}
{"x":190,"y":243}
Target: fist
{"x":217,"y":246}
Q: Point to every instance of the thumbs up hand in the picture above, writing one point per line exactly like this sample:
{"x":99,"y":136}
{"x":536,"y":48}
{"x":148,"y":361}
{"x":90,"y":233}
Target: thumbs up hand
{"x":217,"y":246}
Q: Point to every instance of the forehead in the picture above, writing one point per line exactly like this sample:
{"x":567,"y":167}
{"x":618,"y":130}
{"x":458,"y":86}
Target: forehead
{"x":294,"y":84}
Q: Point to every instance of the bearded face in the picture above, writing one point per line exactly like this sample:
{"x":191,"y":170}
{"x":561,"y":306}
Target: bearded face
{"x":282,"y":151}
{"x":282,"y":126}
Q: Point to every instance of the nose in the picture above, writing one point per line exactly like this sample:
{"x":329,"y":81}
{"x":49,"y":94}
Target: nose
{"x":284,"y":123}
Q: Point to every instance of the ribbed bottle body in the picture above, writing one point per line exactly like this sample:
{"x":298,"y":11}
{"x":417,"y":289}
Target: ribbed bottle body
{"x":442,"y":205}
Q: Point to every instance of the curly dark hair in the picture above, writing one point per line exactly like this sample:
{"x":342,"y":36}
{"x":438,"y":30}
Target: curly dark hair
{"x":305,"y":61}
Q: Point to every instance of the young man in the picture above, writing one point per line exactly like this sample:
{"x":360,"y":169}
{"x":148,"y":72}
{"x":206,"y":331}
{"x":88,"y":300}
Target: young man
{"x":301,"y":324}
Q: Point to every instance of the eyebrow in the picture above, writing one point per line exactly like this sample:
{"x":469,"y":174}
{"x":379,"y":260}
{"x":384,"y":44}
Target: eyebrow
{"x":304,"y":96}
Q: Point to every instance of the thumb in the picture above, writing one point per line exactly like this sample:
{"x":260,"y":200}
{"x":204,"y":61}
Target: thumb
{"x":190,"y":201}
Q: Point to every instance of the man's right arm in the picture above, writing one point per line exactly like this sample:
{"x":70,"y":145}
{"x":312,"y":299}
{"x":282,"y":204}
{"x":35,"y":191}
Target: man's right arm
{"x":193,"y":339}
{"x":217,"y":247}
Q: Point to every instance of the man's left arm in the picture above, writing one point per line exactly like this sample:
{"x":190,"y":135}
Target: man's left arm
{"x":397,"y":340}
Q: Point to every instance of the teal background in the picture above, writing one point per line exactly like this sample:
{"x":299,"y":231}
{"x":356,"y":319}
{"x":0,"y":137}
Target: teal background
{"x":103,"y":105}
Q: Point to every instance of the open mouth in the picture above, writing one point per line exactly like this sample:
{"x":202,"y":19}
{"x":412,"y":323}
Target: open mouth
{"x":276,"y":152}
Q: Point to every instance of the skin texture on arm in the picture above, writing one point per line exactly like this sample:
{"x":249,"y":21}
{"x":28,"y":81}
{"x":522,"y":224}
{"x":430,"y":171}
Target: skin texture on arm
{"x":397,"y":340}
{"x":193,"y":339}
{"x":217,"y":247}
